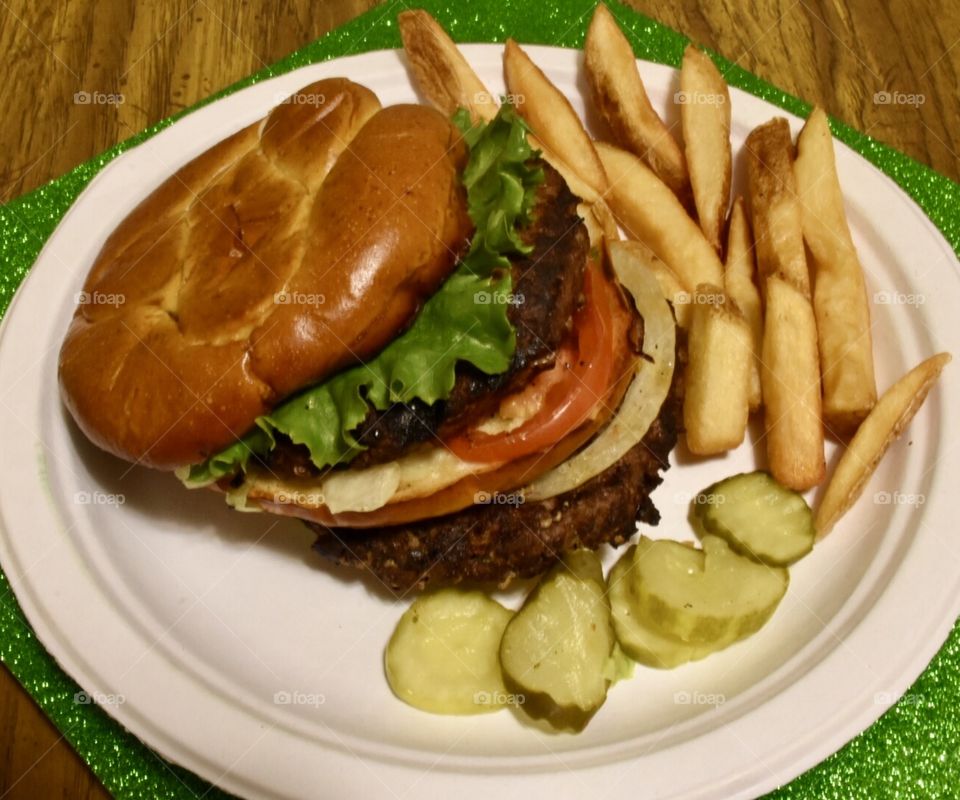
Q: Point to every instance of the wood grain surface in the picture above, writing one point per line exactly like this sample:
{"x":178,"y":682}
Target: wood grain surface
{"x":890,"y":70}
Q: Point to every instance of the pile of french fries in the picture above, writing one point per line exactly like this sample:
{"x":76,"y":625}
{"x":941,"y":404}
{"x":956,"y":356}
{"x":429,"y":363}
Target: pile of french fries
{"x":771,"y":293}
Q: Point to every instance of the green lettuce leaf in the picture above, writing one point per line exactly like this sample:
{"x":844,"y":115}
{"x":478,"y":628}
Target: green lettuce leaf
{"x":466,"y":320}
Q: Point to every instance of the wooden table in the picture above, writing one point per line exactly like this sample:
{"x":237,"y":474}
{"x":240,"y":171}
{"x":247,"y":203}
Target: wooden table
{"x":164,"y":55}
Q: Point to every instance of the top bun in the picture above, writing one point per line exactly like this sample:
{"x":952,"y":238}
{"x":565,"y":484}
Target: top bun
{"x":296,"y":247}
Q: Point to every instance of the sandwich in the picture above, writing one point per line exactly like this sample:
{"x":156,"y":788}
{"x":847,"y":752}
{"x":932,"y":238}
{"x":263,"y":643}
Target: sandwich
{"x":392,"y":325}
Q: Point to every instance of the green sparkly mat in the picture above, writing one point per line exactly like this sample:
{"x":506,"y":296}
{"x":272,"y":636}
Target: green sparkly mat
{"x":912,"y":751}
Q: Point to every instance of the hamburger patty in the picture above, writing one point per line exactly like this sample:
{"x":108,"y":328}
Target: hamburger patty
{"x":495,"y":543}
{"x":547,"y":283}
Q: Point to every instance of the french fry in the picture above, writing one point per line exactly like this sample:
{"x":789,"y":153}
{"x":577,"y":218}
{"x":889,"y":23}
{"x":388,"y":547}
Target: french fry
{"x":705,"y":115}
{"x":621,"y":100}
{"x":790,"y":373}
{"x":576,"y":184}
{"x":738,"y":282}
{"x":592,"y":224}
{"x":448,"y":82}
{"x":651,"y":213}
{"x":440,"y":70}
{"x":604,"y":216}
{"x":790,"y":368}
{"x":552,"y":118}
{"x":840,"y":292}
{"x":717,"y":378}
{"x":777,"y":225}
{"x":599,"y":222}
{"x":670,"y":285}
{"x":885,"y":422}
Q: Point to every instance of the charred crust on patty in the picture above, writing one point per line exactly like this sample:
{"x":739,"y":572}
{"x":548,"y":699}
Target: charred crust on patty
{"x":497,"y":543}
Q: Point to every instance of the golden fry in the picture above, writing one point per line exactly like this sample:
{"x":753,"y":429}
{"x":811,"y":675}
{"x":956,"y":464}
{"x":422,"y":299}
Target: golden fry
{"x":599,"y":222}
{"x":621,"y":100}
{"x":551,"y":117}
{"x":604,"y":216}
{"x":777,"y":225}
{"x":738,"y":280}
{"x":576,"y":184}
{"x":651,"y":213}
{"x":439,"y":68}
{"x":885,"y":422}
{"x":705,"y":114}
{"x":717,"y":378}
{"x":790,"y":373}
{"x":790,"y":368}
{"x":840,"y":292}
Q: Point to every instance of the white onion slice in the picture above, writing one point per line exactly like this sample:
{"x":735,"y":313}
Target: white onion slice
{"x":645,"y":395}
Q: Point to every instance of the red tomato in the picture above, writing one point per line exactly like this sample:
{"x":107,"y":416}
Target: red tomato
{"x":586,"y":379}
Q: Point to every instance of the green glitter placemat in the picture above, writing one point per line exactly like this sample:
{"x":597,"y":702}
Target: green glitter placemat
{"x":912,"y":751}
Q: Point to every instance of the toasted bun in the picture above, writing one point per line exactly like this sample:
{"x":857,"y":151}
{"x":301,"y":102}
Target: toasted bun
{"x":294,"y":248}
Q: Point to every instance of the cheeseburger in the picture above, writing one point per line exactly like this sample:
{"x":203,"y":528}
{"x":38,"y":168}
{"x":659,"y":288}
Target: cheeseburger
{"x":391,"y":325}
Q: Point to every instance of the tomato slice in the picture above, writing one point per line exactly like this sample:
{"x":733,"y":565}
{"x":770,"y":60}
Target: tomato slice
{"x":587,"y":375}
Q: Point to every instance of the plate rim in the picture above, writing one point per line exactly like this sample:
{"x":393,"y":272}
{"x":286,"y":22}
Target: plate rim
{"x":12,"y":310}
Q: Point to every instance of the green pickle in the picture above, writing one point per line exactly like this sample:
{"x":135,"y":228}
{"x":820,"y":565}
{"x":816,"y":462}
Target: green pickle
{"x":556,"y":651}
{"x":443,"y":655}
{"x":639,"y":639}
{"x":758,"y":518}
{"x":711,"y":596}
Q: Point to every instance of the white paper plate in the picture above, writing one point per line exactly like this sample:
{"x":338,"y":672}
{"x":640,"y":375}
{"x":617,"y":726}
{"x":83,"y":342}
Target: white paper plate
{"x":193,"y":623}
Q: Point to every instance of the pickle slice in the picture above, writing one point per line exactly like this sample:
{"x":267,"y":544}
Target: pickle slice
{"x":443,"y":655}
{"x":758,"y":517}
{"x":555,"y":652}
{"x":638,"y":639}
{"x":704,"y":596}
